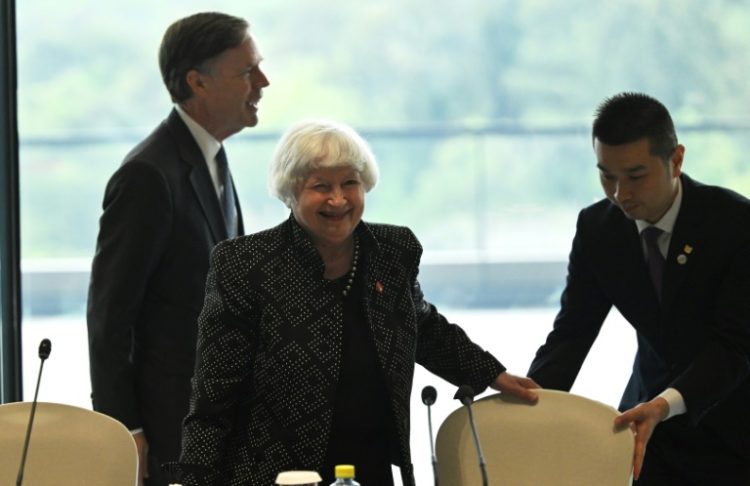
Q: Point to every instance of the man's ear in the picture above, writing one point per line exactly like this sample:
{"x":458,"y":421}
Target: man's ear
{"x":676,"y":161}
{"x":197,"y":81}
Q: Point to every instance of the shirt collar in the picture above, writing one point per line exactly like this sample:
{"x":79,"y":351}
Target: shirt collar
{"x":666,"y":223}
{"x":206,"y":142}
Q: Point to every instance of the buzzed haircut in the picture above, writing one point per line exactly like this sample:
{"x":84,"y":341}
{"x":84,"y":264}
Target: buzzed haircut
{"x":628,"y":117}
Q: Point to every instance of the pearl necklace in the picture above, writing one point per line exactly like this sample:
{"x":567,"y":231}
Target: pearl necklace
{"x":353,"y":271}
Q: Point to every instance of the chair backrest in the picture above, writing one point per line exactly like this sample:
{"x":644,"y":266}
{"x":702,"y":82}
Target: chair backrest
{"x":69,"y":445}
{"x":563,"y":439}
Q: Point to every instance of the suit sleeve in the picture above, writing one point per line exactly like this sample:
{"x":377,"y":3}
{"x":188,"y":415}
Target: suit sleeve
{"x":583,"y":308}
{"x":722,"y":364}
{"x":444,"y":348}
{"x":133,"y":231}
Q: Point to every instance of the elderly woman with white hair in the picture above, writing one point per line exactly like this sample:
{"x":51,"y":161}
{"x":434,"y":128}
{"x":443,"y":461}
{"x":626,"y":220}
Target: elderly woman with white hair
{"x":310,"y":331}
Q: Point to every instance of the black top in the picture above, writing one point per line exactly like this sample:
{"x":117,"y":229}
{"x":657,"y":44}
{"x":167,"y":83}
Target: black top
{"x":360,"y":433}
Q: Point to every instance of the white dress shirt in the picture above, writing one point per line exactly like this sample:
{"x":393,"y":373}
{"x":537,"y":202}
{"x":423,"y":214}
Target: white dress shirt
{"x":207,"y":143}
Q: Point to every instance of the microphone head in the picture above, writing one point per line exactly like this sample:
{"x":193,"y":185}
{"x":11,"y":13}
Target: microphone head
{"x":429,"y":395}
{"x":465,"y":394}
{"x":45,"y":347}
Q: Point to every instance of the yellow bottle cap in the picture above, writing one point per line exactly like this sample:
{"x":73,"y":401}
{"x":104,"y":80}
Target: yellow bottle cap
{"x":345,"y":471}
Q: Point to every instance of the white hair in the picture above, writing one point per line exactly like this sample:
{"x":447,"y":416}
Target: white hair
{"x":313,"y":144}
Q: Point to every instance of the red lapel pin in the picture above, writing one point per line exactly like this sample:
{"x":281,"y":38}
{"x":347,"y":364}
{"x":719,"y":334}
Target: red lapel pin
{"x":378,"y":287}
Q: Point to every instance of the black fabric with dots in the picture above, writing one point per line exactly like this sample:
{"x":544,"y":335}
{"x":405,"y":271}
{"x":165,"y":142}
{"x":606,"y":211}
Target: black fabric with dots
{"x":270,"y":352}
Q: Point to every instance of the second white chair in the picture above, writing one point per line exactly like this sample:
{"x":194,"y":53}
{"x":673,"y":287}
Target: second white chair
{"x":563,"y":439}
{"x":69,"y":446}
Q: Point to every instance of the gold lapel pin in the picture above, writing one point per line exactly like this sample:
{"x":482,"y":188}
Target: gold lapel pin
{"x":687,"y":249}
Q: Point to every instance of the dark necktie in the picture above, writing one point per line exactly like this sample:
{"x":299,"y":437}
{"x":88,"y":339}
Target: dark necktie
{"x":655,"y":258}
{"x":228,"y":206}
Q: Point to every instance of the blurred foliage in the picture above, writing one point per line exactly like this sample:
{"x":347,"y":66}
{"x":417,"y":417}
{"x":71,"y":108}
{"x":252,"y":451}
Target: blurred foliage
{"x":435,"y":75}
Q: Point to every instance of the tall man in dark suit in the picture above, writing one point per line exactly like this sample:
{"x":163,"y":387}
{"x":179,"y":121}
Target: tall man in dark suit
{"x":673,"y":256}
{"x":165,"y":208}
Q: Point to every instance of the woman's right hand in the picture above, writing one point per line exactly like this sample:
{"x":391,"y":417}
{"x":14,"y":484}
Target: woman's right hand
{"x":519,"y":386}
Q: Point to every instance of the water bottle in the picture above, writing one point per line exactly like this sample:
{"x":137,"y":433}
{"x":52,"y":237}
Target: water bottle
{"x":345,"y":476}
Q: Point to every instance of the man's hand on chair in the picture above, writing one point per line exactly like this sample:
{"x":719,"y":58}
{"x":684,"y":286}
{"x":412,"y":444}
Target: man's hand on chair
{"x":643,"y":419}
{"x":142,"y":445}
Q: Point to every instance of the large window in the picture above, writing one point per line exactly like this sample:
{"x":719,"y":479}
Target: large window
{"x":478,"y":111}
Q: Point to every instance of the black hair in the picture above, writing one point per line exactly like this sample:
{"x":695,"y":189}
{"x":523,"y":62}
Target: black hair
{"x":628,"y":117}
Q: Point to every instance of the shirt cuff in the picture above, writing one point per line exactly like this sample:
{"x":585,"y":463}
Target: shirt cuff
{"x":137,"y":431}
{"x":675,"y":401}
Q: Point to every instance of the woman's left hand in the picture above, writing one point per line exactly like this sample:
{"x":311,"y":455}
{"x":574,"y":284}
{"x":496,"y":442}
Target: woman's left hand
{"x":519,"y":386}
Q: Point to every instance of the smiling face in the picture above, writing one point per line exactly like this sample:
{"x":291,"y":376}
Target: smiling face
{"x":329,"y":204}
{"x":641,"y":184}
{"x":227,"y":92}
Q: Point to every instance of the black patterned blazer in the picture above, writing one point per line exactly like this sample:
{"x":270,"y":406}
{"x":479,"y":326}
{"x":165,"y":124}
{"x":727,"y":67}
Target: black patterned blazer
{"x":270,"y":347}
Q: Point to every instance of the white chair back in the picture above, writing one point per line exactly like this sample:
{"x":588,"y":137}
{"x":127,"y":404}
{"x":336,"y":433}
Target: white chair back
{"x":563,"y":439}
{"x":69,"y":446}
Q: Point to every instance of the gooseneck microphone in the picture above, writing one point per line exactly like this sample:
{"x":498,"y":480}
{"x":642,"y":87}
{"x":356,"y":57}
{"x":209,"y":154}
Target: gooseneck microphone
{"x":429,"y":395}
{"x":45,"y":347}
{"x":465,"y":395}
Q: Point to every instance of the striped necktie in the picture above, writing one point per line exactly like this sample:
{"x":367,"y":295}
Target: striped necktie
{"x":228,"y":204}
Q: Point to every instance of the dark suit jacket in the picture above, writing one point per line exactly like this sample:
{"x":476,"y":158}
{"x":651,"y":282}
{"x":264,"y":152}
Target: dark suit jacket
{"x":697,"y":341}
{"x":270,"y":347}
{"x":161,"y":219}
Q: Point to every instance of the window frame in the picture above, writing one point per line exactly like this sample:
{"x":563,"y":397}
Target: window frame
{"x":10,"y":271}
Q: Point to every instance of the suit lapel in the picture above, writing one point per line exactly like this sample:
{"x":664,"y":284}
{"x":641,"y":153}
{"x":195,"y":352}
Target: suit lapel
{"x":199,"y":176}
{"x":627,"y":260}
{"x":379,"y":299}
{"x":684,"y":245}
{"x":621,"y":263}
{"x":635,"y":268}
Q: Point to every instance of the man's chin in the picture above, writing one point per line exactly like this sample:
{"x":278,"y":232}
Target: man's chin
{"x":630,"y":214}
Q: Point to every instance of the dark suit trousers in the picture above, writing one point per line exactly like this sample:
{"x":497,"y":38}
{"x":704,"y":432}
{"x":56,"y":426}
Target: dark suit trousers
{"x":678,"y":455}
